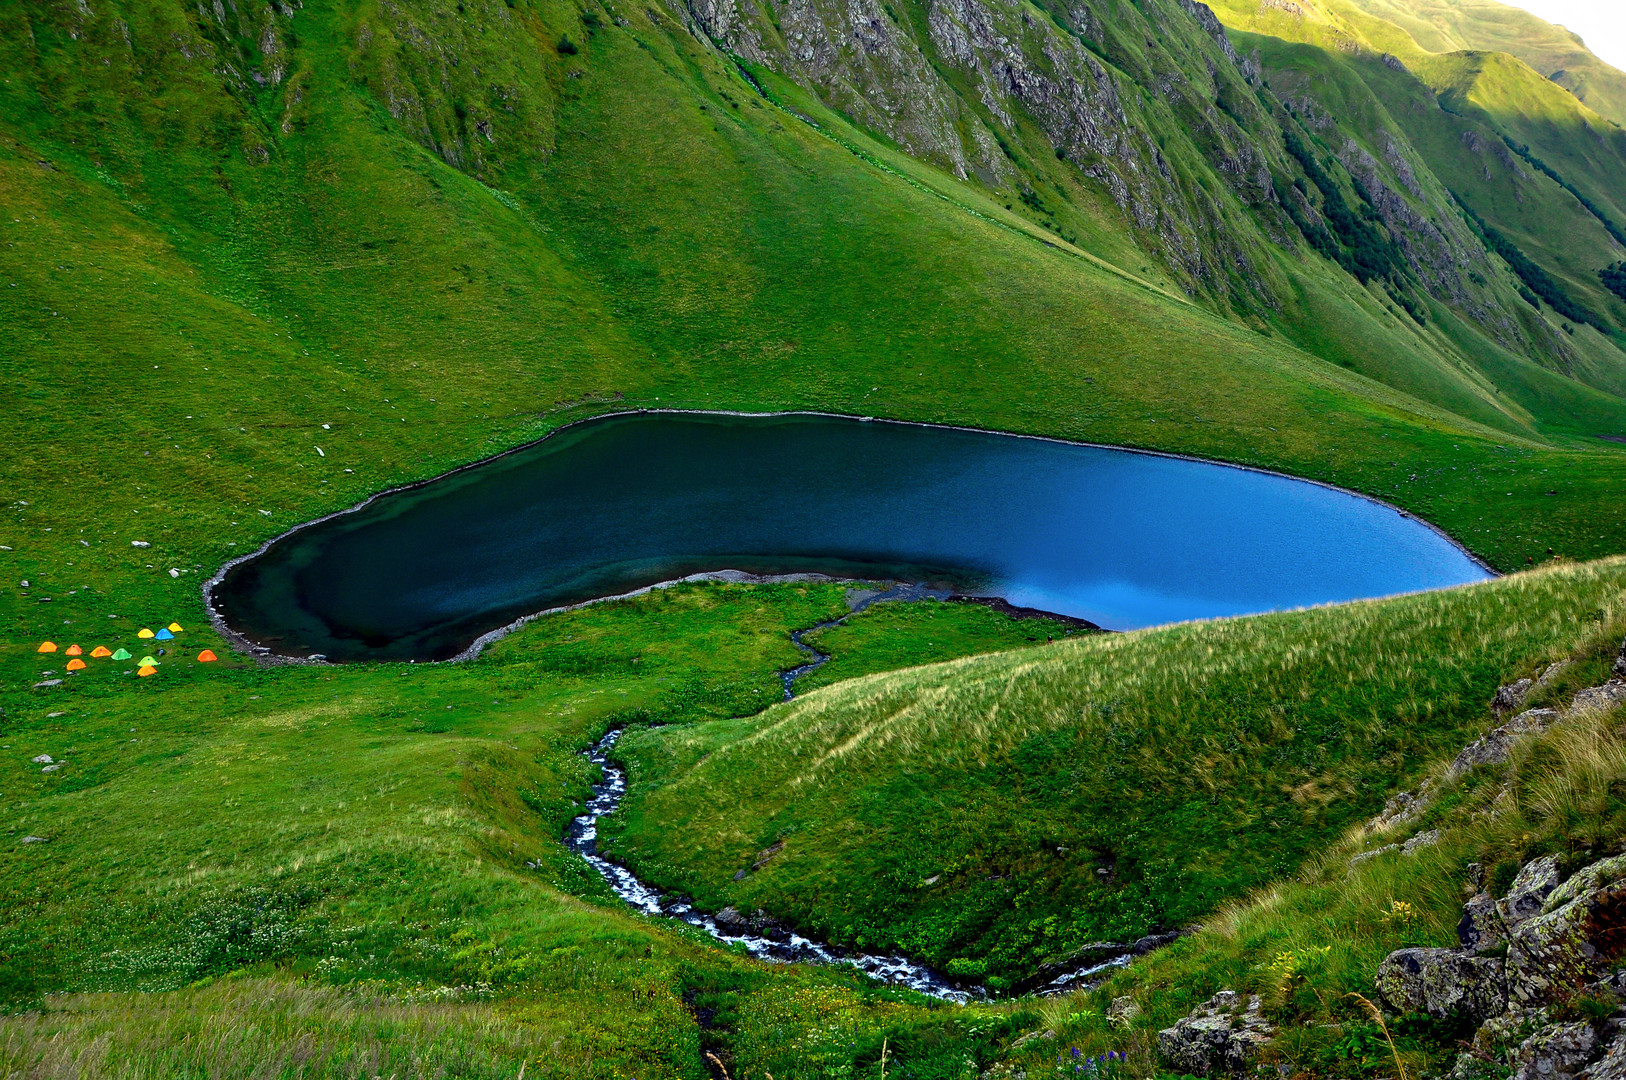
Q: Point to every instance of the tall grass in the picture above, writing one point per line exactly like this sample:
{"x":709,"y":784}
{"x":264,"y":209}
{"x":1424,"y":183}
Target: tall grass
{"x":1015,"y":805}
{"x":1563,"y":792}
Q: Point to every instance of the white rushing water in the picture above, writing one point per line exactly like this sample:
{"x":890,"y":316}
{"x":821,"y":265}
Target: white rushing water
{"x":785,"y":947}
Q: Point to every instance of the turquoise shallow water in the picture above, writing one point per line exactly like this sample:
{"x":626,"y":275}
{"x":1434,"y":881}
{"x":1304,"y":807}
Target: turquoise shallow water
{"x":1119,"y":538}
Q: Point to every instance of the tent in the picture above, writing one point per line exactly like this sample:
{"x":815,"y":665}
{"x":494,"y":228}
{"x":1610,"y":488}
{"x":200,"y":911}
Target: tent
{"x":74,"y":650}
{"x":145,"y":633}
{"x":100,"y":651}
{"x":76,"y":664}
{"x":147,"y":669}
{"x":122,"y":654}
{"x":49,"y":646}
{"x":207,"y":656}
{"x":147,"y":661}
{"x":164,"y":635}
{"x":174,"y":628}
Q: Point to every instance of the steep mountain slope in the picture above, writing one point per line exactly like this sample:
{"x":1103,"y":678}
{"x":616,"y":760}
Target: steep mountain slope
{"x":1139,"y":134}
{"x":1520,"y":153}
{"x":1151,"y":105}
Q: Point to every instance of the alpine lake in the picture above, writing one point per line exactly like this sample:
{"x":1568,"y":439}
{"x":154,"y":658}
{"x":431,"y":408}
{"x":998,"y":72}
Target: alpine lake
{"x":608,"y":506}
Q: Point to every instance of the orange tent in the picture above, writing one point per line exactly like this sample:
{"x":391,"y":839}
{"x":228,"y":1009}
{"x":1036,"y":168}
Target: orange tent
{"x":207,"y":656}
{"x":76,"y":665}
{"x":101,"y":651}
{"x":74,"y":650}
{"x":49,"y":646}
{"x":147,"y":669}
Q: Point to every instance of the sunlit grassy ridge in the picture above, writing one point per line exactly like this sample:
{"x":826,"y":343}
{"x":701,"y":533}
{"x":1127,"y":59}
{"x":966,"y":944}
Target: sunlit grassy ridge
{"x":999,"y":811}
{"x":1557,"y":54}
{"x":1456,"y":103}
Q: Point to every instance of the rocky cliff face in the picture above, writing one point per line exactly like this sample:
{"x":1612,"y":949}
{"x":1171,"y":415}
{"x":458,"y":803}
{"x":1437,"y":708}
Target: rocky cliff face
{"x":1152,"y":110}
{"x":987,"y":88}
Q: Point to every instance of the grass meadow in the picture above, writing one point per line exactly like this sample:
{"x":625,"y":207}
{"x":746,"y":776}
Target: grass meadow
{"x":996,"y":812}
{"x":227,"y":309}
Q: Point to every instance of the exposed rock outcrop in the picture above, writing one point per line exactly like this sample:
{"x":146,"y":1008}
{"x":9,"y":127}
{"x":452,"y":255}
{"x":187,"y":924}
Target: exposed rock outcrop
{"x":1578,"y":932}
{"x":1222,"y":1035}
{"x":1564,"y":937}
{"x":1529,"y":891}
{"x":1481,"y":927}
{"x":1442,"y":983}
{"x":1556,"y":1052}
{"x":1495,"y":745}
{"x":731,"y":920}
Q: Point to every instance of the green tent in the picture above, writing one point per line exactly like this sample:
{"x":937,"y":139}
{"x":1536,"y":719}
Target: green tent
{"x":147,"y":660}
{"x":122,"y":654}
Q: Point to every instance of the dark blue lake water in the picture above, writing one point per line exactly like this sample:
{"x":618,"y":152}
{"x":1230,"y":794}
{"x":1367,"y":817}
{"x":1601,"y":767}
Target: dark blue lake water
{"x":1121,"y":539}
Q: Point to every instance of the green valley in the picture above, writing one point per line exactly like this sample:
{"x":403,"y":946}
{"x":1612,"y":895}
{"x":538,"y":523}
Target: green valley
{"x":259,"y":263}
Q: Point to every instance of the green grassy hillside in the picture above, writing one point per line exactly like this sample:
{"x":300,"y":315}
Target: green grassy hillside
{"x":1483,"y":25}
{"x":995,"y":813}
{"x":322,"y":867}
{"x":1515,"y":148}
{"x":256,"y":265}
{"x":1308,"y":944}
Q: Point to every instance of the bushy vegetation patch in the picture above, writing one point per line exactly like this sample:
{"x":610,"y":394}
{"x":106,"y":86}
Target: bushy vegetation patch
{"x":1363,"y":248}
{"x":1534,"y":277}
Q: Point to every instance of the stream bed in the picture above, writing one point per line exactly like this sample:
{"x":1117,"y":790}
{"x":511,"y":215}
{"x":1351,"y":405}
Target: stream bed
{"x":778,"y":946}
{"x":786,"y":947}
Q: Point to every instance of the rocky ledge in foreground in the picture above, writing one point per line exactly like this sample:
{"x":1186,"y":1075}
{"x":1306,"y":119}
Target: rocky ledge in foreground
{"x":1523,"y":966}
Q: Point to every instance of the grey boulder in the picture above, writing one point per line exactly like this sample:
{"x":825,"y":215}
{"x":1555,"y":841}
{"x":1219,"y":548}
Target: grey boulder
{"x":1511,"y":698}
{"x":1123,"y":1011}
{"x":1600,"y":698}
{"x":1481,"y":927}
{"x":1442,"y":983}
{"x":1220,"y":1036}
{"x":1579,"y":933}
{"x":1530,"y":889}
{"x":1495,"y":745}
{"x":1555,"y":1052}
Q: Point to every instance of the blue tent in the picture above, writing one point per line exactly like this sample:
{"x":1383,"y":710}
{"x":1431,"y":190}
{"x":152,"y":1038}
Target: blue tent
{"x":164,"y":635}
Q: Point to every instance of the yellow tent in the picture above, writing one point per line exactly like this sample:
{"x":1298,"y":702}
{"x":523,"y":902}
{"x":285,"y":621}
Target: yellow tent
{"x":174,"y":628}
{"x":49,"y":646}
{"x":145,"y":633}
